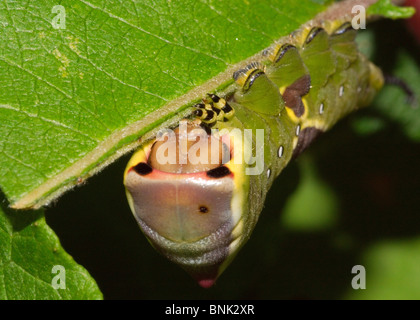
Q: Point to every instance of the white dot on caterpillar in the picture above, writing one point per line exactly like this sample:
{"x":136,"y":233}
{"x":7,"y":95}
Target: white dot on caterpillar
{"x":321,"y":108}
{"x":268,"y":173}
{"x":341,"y":92}
{"x":297,"y":130}
{"x":280,"y":152}
{"x":359,"y":89}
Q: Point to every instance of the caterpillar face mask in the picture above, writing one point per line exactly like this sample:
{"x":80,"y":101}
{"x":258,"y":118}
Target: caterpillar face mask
{"x":197,"y":190}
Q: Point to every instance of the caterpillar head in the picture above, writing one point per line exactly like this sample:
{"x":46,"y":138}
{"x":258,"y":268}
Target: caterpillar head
{"x":184,"y":192}
{"x":189,"y":189}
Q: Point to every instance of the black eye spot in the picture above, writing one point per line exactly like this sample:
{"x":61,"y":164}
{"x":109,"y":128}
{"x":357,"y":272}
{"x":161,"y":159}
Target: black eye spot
{"x":218,"y":172}
{"x":142,"y":169}
{"x":203,"y":209}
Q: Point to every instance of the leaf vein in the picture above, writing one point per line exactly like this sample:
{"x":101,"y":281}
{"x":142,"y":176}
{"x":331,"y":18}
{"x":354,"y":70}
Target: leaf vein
{"x":53,"y":122}
{"x":149,"y":33}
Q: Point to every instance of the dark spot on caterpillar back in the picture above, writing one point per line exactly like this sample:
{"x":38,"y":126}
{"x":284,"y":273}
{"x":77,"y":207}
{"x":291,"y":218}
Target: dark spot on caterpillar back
{"x":293,"y":94}
{"x":306,"y":137}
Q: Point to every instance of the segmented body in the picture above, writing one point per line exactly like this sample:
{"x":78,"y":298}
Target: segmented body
{"x":307,"y":86}
{"x":302,"y":89}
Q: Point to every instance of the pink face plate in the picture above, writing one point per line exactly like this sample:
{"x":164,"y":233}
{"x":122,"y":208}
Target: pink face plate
{"x":181,"y":207}
{"x":187,"y":217}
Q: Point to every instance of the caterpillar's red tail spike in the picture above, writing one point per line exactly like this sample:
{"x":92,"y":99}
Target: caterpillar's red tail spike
{"x":206,"y":283}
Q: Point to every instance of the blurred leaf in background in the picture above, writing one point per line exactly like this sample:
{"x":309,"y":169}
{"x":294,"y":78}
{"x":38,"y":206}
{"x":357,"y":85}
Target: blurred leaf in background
{"x":29,"y":252}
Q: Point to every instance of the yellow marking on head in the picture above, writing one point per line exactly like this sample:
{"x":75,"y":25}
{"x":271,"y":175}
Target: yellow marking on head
{"x":139,"y":156}
{"x":239,"y":197}
{"x":238,"y":169}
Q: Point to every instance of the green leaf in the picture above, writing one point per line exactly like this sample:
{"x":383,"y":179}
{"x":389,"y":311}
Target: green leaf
{"x":397,"y":56}
{"x":392,"y":271}
{"x":367,"y":125}
{"x":386,"y":9}
{"x":313,"y":206}
{"x":29,"y":250}
{"x":75,"y":98}
{"x":392,"y":101}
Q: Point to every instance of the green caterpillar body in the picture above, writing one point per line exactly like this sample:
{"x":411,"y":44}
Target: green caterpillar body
{"x":303,"y":88}
{"x":341,"y":80}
